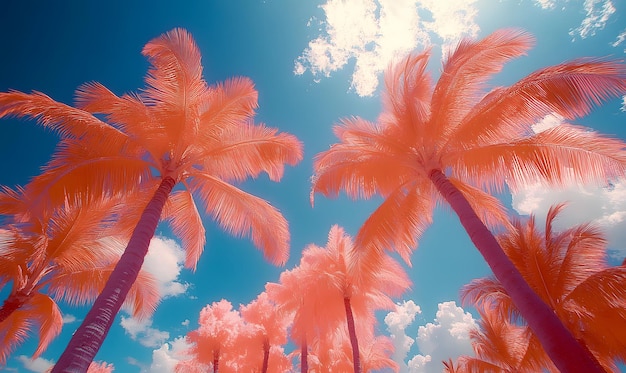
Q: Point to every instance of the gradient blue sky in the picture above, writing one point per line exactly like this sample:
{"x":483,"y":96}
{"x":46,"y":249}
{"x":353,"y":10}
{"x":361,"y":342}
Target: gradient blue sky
{"x":313,"y":62}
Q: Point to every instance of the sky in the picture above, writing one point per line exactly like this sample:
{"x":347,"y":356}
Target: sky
{"x":313,"y":63}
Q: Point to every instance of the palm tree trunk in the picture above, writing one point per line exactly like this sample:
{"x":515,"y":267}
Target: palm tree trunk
{"x":566,"y":353}
{"x":356,"y":359}
{"x":266,"y":355}
{"x":216,"y":360}
{"x":88,"y":338}
{"x":13,"y":302}
{"x":304,"y":353}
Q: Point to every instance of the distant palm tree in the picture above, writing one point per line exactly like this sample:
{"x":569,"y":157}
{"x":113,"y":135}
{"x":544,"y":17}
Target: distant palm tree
{"x":349,"y":293}
{"x":216,"y":337}
{"x":291,"y":295}
{"x":176,"y":131}
{"x":568,"y":270}
{"x":450,"y":142}
{"x":269,"y":327}
{"x":68,"y":253}
{"x":500,"y":346}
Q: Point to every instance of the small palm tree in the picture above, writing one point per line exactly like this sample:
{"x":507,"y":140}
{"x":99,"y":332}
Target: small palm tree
{"x":451,"y":142}
{"x":65,"y":253}
{"x":568,"y":270}
{"x":350,"y":293}
{"x":269,"y":326}
{"x":501,"y":346}
{"x":177,"y":131}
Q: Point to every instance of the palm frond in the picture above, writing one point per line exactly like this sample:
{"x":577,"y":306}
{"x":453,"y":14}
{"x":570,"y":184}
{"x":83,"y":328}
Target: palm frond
{"x":559,"y":156}
{"x":249,"y":150}
{"x":13,"y":332}
{"x":240,"y":213}
{"x":184,"y":218}
{"x":48,"y":316}
{"x":570,"y":89}
{"x":360,"y":172}
{"x":396,"y":225}
{"x":175,"y":77}
{"x":226,"y":105}
{"x":67,"y":121}
{"x":407,"y":95}
{"x":464,"y":74}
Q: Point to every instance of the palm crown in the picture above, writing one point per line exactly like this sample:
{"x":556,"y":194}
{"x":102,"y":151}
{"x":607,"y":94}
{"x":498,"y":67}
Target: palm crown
{"x":451,"y":141}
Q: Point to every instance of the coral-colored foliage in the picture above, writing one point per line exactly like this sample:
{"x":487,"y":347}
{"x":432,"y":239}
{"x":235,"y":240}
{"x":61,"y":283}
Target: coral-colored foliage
{"x":568,"y":269}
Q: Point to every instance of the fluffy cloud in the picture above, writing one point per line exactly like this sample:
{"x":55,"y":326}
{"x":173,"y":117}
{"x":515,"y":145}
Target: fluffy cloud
{"x":39,"y":364}
{"x":165,"y":358}
{"x":597,"y":13}
{"x":397,"y":322}
{"x":446,"y":337}
{"x":165,"y":261}
{"x":68,"y":319}
{"x":375,"y":32}
{"x":143,"y":332}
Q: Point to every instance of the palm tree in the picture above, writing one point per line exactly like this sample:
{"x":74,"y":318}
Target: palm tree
{"x":452,"y":143}
{"x":68,"y":252}
{"x":216,"y":336}
{"x":269,"y":324}
{"x":568,"y":270}
{"x":176,"y":131}
{"x":305,"y":313}
{"x":501,"y":346}
{"x":348,"y":292}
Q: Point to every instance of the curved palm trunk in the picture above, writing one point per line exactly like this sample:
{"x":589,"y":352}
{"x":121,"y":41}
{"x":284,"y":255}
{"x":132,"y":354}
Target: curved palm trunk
{"x":266,"y":355}
{"x":566,"y":353}
{"x":13,"y":302}
{"x":304,"y":354}
{"x":356,"y":359}
{"x":88,"y":338}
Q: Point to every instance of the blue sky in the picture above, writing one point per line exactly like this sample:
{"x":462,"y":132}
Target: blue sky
{"x":313,"y":62}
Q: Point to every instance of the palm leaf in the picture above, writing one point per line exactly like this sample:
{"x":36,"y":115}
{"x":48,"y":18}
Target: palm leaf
{"x":240,"y":213}
{"x":13,"y":332}
{"x":248,"y":150}
{"x":397,"y":224}
{"x":559,"y":156}
{"x":48,"y":316}
{"x":465,"y":72}
{"x":570,"y":89}
{"x":407,"y":95}
{"x":186,"y":223}
{"x":67,"y":121}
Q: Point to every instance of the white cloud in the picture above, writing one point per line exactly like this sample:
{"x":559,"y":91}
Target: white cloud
{"x":623,"y":108}
{"x":549,"y":121}
{"x":185,"y":323}
{"x":143,"y":332}
{"x":619,"y":39}
{"x":598,"y":13}
{"x":68,"y":319}
{"x":397,"y":322}
{"x":605,"y":207}
{"x":375,"y":32}
{"x":39,"y":364}
{"x":165,"y":358}
{"x":446,"y":337}
{"x":164,"y":261}
{"x":546,"y":4}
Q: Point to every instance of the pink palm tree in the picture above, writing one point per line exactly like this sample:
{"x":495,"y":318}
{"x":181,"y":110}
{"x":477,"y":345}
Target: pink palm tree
{"x":176,"y":131}
{"x":58,"y":253}
{"x":452,"y":142}
{"x":219,"y":326}
{"x":348,"y":290}
{"x":269,"y":327}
